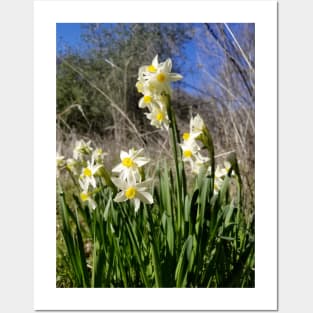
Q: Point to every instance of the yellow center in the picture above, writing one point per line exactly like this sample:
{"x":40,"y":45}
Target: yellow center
{"x":130,"y":193}
{"x":87,"y":172}
{"x":139,"y":87}
{"x":128,"y":162}
{"x":147,"y":99}
{"x":187,"y":154}
{"x":160,"y":116}
{"x":161,"y":77}
{"x":84,"y":196}
{"x":186,"y":136}
{"x":152,"y":69}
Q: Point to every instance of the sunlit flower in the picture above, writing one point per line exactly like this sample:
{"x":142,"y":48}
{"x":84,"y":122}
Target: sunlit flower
{"x":220,"y":172}
{"x":82,"y":149}
{"x":218,"y":182}
{"x":227,"y":167}
{"x":158,"y":75}
{"x":191,"y":136}
{"x":140,"y":86}
{"x":72,"y":165}
{"x":148,"y":100}
{"x":199,"y":163}
{"x":197,"y":125}
{"x":152,"y":68}
{"x":60,"y":163}
{"x":190,"y":150}
{"x":130,"y":164}
{"x":158,"y":117}
{"x":87,"y":196}
{"x":133,"y":191}
{"x":98,"y":155}
{"x":87,"y":176}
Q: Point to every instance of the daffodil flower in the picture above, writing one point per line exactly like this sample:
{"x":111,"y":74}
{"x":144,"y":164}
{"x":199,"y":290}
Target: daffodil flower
{"x":227,"y":167}
{"x":191,"y":136}
{"x":158,"y":75}
{"x":199,"y":163}
{"x":72,"y":165}
{"x":85,"y":196}
{"x":87,"y":176}
{"x":130,"y":164}
{"x":60,"y":163}
{"x":98,"y":155}
{"x":190,"y":150}
{"x":218,"y":182}
{"x":133,"y":191}
{"x":82,"y":149}
{"x":60,"y":160}
{"x":152,"y":68}
{"x":147,"y":101}
{"x":158,"y":117}
{"x":220,"y":172}
{"x":197,"y":125}
{"x":140,"y":86}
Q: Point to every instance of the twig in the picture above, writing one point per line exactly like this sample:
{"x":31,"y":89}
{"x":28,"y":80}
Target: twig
{"x":111,"y":102}
{"x":239,"y":47}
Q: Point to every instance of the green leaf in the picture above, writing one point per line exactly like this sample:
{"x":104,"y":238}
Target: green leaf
{"x":170,"y":234}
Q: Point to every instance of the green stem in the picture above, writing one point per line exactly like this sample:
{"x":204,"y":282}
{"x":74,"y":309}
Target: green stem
{"x":178,"y":163}
{"x":155,"y":255}
{"x":134,"y":241}
{"x":94,"y":252}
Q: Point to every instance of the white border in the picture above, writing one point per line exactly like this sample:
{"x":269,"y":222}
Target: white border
{"x":46,"y":295}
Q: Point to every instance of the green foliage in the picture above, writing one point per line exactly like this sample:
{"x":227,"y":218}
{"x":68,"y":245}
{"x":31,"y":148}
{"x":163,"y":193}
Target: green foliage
{"x":187,"y":238}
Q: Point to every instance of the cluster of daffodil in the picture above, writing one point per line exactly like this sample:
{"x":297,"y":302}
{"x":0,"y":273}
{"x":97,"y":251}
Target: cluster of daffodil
{"x":85,"y":164}
{"x":191,"y":153}
{"x":129,"y":180}
{"x":154,"y":83}
{"x":190,"y":147}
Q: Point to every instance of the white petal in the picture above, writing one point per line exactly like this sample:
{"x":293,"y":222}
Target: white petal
{"x":155,"y":61}
{"x":174,"y":77}
{"x":167,"y":65}
{"x":119,"y":183}
{"x":92,"y":203}
{"x":148,"y":115}
{"x":124,"y":155}
{"x":141,"y":161}
{"x":131,"y":178}
{"x":124,"y":176}
{"x":118,"y":168}
{"x":137,"y":204}
{"x":145,"y":197}
{"x":93,"y":182}
{"x":120,"y":197}
{"x":134,"y":153}
{"x":96,"y":168}
{"x":142,"y":103}
{"x":145,"y":183}
{"x":83,"y":183}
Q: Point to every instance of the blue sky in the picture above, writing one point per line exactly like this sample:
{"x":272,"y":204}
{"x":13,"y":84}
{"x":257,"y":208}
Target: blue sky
{"x":68,"y":35}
